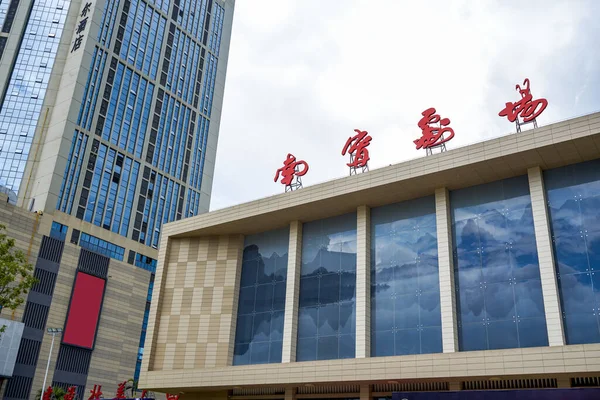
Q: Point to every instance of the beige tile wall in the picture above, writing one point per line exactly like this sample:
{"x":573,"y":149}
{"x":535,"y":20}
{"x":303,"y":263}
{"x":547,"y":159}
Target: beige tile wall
{"x":543,"y":238}
{"x":198,"y":304}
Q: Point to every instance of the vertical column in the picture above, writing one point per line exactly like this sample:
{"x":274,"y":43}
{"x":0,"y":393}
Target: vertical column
{"x":363,"y":282}
{"x":446,"y":266}
{"x":543,"y":239}
{"x":292,"y":292}
{"x":365,"y":392}
{"x":290,"y":394}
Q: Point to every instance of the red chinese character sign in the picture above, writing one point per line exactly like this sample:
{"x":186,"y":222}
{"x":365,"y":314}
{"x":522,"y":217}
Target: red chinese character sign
{"x":433,"y":132}
{"x":121,"y":390}
{"x":526,"y":108}
{"x":356,"y":147}
{"x":70,"y":395}
{"x":95,"y":393}
{"x":291,"y":172}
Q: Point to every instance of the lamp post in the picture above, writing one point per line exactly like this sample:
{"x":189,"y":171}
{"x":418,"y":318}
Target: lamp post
{"x":53,"y":332}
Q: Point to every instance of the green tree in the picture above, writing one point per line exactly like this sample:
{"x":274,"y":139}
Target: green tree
{"x":58,"y":393}
{"x":16,"y":274}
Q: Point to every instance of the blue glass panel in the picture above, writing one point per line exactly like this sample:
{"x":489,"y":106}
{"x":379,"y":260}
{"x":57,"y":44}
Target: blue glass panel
{"x":327,"y":289}
{"x":25,"y":92}
{"x":405,"y":300}
{"x":496,"y":267}
{"x":573,"y":194}
{"x":259,"y":331}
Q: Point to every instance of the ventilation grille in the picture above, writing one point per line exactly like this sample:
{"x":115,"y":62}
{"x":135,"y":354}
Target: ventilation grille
{"x":590,"y":381}
{"x":46,"y":281}
{"x":80,"y":390}
{"x":329,"y":389}
{"x":411,"y":387}
{"x":258,"y":391}
{"x":51,"y":249}
{"x":28,"y":352}
{"x":73,"y":359}
{"x":93,"y":263}
{"x":18,"y":387}
{"x":35,"y":315}
{"x":511,"y":384}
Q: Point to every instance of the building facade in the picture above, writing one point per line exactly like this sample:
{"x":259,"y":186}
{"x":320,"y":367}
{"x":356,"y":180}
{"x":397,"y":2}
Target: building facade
{"x":470,"y":269}
{"x":109,"y":118}
{"x":104,"y":348}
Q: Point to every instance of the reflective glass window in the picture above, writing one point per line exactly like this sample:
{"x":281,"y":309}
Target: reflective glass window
{"x":259,"y":332}
{"x":405,"y":296}
{"x":573,"y":194}
{"x":497,"y":277}
{"x":326,"y":314}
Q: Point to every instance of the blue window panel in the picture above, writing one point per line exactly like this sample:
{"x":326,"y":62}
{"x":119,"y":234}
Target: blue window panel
{"x":259,"y":332}
{"x":95,"y":187}
{"x":573,"y":194}
{"x":92,"y":89}
{"x":149,"y":264}
{"x":327,"y":315}
{"x":497,"y":277}
{"x":72,"y":172}
{"x":129,"y":29}
{"x":208,"y":85}
{"x":109,"y":16}
{"x":405,"y":299}
{"x":59,"y":231}
{"x":214,"y":42}
{"x":26,"y":89}
{"x":130,"y":198}
{"x":100,"y":246}
{"x":114,"y":98}
{"x":104,"y":187}
{"x":198,"y":151}
{"x":86,"y":102}
{"x":120,"y":203}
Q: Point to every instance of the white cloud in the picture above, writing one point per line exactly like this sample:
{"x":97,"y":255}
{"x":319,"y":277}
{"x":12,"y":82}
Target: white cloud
{"x":303,"y":74}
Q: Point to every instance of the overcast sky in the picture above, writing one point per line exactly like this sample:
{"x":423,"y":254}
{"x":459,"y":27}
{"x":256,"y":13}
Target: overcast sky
{"x":303,"y":74}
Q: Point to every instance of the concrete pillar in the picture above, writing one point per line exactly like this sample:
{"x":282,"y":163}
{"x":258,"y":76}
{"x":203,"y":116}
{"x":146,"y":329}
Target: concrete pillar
{"x":446,"y":266}
{"x":290,"y":394}
{"x":363,"y":282}
{"x":543,"y":238}
{"x":292,"y":292}
{"x":365,"y":392}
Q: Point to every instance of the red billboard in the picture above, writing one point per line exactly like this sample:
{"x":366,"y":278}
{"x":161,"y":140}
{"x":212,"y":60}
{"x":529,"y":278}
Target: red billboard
{"x":84,"y":310}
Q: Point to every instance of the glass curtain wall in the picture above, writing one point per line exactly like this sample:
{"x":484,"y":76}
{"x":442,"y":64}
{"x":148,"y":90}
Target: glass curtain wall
{"x":498,"y":285}
{"x":326,"y":315}
{"x":405,"y":291}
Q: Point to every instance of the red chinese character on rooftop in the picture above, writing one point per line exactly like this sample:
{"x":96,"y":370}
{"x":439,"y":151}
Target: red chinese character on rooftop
{"x":291,"y":169}
{"x":96,"y":392}
{"x":433,"y":136}
{"x":356,"y":146}
{"x":47,"y":394}
{"x":70,"y":395}
{"x":144,"y":393}
{"x":172,"y":396}
{"x":526,"y":108}
{"x":121,"y":390}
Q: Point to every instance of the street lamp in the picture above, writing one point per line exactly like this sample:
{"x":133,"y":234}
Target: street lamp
{"x":53,"y":332}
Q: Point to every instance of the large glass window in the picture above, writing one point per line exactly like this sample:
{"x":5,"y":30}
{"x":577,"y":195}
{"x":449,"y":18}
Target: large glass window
{"x":574,"y":207}
{"x":326,"y":315}
{"x":261,"y":307}
{"x":405,"y":290}
{"x":496,"y":266}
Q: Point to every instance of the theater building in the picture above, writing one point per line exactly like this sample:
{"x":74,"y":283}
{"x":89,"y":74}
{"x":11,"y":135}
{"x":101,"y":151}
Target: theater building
{"x":476,"y":268}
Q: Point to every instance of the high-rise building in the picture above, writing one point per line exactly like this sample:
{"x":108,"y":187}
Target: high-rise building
{"x":109,"y":116}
